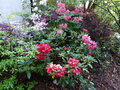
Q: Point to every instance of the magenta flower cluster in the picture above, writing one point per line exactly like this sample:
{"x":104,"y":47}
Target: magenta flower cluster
{"x":87,"y":40}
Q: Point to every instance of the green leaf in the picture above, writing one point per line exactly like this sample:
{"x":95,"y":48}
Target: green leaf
{"x":28,"y":74}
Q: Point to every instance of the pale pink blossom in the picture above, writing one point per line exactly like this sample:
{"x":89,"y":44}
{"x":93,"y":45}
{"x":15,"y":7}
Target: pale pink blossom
{"x":64,"y":26}
{"x":67,"y":12}
{"x":66,"y":18}
{"x":76,"y":20}
{"x":86,"y":39}
{"x":61,"y":10}
{"x":58,"y":32}
{"x":85,"y":30}
{"x":61,"y":4}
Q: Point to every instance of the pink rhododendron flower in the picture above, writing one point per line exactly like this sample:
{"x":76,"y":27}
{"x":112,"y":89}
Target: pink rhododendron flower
{"x":43,"y":48}
{"x":64,"y":26}
{"x":77,"y":10}
{"x":76,"y":71}
{"x":73,"y":62}
{"x":92,"y":45}
{"x":85,"y":30}
{"x":66,"y":18}
{"x":76,"y":20}
{"x":40,"y":56}
{"x":58,"y":32}
{"x":61,"y":25}
{"x":61,"y":10}
{"x":61,"y":4}
{"x":73,"y":12}
{"x":86,"y":38}
{"x":67,"y":12}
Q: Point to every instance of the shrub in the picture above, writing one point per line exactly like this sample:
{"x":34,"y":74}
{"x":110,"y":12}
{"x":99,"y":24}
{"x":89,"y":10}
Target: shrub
{"x":60,"y":49}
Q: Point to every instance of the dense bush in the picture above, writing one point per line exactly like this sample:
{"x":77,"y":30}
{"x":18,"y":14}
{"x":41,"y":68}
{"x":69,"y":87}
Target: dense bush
{"x":61,"y":43}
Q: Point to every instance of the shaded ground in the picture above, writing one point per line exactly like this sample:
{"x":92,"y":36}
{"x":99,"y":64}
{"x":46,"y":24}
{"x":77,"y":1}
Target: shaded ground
{"x":108,"y":79}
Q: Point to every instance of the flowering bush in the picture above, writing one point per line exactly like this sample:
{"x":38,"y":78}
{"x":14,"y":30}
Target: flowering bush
{"x":61,"y":48}
{"x":64,"y":47}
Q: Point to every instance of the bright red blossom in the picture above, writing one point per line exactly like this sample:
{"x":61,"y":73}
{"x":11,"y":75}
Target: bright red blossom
{"x":43,"y":48}
{"x":73,"y":62}
{"x":57,"y":70}
{"x":40,"y":56}
{"x":76,"y":71}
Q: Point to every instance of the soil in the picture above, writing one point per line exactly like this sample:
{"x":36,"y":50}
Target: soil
{"x":109,"y":79}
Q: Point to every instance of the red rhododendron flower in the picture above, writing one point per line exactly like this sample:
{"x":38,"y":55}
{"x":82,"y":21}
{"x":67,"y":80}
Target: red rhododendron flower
{"x":40,"y":56}
{"x":25,"y":54}
{"x":76,"y":71}
{"x":73,"y":62}
{"x":43,"y":48}
{"x":60,"y":72}
{"x":57,"y":70}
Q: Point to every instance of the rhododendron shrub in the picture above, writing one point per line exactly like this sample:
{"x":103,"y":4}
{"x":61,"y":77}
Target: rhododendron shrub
{"x":70,"y":47}
{"x":62,"y":50}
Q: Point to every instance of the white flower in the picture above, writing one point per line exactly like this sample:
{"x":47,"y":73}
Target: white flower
{"x":35,"y":9}
{"x":34,"y":4}
{"x":39,"y":11}
{"x":43,"y":2}
{"x":117,"y":35}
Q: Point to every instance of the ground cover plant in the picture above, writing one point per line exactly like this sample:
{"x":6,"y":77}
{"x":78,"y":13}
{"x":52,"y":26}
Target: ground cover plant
{"x":58,"y":44}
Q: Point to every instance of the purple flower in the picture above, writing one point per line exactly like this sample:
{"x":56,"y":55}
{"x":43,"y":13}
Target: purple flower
{"x":3,"y":29}
{"x":4,"y":26}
